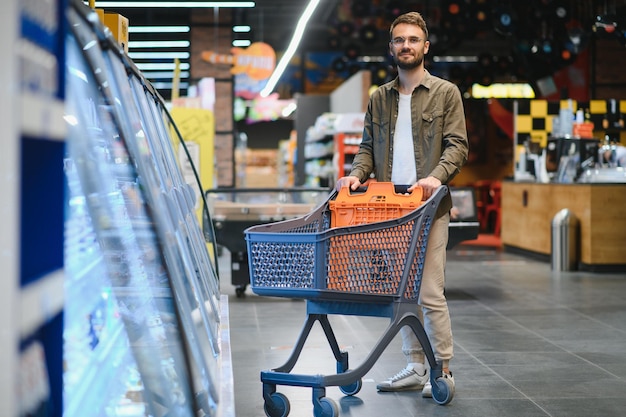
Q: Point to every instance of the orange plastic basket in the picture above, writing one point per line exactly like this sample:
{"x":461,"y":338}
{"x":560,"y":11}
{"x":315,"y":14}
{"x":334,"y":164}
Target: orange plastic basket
{"x":379,"y":202}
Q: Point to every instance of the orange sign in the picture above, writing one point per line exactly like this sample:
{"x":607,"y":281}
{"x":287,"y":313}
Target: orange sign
{"x":258,"y":60}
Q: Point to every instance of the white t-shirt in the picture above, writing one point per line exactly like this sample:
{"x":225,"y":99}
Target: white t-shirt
{"x":403,"y":169}
{"x":620,"y":156}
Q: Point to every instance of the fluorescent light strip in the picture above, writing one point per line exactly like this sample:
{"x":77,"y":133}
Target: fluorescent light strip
{"x":163,"y":75}
{"x":241,"y":29}
{"x":168,"y":86}
{"x":158,"y":44}
{"x":173,"y":4}
{"x":455,"y":58}
{"x":368,"y":58}
{"x":158,"y":29}
{"x":242,"y":42}
{"x":160,"y":66}
{"x":290,"y":108}
{"x":291,"y":50}
{"x":158,"y":55}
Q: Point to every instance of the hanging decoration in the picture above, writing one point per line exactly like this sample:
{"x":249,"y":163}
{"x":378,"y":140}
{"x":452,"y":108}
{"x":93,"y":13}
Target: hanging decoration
{"x":251,"y":66}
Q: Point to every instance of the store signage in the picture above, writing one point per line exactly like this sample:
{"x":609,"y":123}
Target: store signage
{"x":256,"y":61}
{"x":503,"y":90}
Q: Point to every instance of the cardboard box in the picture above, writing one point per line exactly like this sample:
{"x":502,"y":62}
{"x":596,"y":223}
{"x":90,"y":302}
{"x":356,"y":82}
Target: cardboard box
{"x":260,"y":177}
{"x":100,"y":13}
{"x":118,"y":25}
{"x":583,"y":130}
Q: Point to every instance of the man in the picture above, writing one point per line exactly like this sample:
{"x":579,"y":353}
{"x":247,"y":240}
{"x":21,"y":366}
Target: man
{"x":415,"y":134}
{"x":613,"y":156}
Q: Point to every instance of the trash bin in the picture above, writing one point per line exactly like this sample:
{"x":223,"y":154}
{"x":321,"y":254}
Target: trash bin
{"x":564,"y":241}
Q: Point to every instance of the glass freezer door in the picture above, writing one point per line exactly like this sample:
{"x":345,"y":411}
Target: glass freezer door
{"x":205,"y":284}
{"x":193,"y":278}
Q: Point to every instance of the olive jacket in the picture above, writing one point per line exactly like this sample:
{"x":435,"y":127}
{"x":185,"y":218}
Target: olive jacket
{"x":439,"y":133}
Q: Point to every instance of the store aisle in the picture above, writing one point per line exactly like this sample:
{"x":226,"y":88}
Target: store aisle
{"x":528,"y":343}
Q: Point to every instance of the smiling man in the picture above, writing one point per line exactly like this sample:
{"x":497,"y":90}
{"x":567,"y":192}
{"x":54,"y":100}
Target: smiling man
{"x":414,"y":133}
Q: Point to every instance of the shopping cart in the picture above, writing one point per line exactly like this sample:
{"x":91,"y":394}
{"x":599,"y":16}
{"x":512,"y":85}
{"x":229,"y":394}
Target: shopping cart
{"x":372,"y":269}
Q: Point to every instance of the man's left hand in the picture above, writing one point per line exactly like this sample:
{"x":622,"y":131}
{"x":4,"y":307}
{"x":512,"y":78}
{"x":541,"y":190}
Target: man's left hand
{"x":428,"y":184}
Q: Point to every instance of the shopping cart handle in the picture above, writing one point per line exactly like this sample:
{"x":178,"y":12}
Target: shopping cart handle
{"x":401,"y":188}
{"x":398,"y":188}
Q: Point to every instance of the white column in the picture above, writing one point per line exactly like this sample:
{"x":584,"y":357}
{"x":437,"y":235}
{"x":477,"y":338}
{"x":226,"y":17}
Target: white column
{"x":9,"y":209}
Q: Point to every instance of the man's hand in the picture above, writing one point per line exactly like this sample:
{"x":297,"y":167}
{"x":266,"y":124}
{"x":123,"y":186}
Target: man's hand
{"x":352,"y":182}
{"x":428,"y":184}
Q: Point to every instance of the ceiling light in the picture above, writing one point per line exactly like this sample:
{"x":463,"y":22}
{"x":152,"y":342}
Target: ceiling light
{"x":168,"y":86}
{"x":164,"y":75}
{"x":290,"y":108}
{"x":369,"y":58}
{"x":455,"y":58}
{"x":158,"y":55}
{"x":143,"y":66}
{"x":241,"y":29}
{"x":174,"y":4}
{"x":241,"y":42}
{"x":158,"y":44}
{"x":158,"y":29}
{"x":291,"y":49}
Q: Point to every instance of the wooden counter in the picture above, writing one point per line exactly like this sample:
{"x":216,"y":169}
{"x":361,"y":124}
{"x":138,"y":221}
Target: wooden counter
{"x":528,"y":209}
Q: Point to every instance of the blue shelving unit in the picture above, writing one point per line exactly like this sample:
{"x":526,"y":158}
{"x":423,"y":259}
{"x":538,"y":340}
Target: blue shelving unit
{"x":31,"y":246}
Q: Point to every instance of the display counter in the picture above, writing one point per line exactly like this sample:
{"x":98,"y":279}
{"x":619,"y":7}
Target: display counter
{"x":528,"y":209}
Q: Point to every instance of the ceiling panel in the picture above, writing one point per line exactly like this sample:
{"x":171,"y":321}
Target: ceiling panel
{"x":336,"y":25}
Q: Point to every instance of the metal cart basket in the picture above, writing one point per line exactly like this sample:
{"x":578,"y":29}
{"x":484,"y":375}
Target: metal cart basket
{"x":234,"y":210}
{"x":370,"y":269}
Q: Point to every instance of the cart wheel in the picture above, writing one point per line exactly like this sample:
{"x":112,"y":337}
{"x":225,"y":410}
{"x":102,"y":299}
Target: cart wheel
{"x":353,"y":388}
{"x":328,"y":408}
{"x":240,"y":291}
{"x":278,"y":407}
{"x":443,"y":391}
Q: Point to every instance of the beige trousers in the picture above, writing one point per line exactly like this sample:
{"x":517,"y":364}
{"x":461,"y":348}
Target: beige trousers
{"x":433,"y":306}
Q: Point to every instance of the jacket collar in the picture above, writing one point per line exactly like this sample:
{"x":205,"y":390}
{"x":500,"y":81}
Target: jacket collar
{"x":426,"y":81}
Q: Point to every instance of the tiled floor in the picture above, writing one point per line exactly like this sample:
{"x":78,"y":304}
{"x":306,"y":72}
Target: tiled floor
{"x":528,"y":342}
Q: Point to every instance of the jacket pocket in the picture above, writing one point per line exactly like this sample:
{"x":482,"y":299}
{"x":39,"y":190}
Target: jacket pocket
{"x":432,"y":124}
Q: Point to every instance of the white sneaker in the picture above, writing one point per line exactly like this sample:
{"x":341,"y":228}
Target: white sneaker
{"x":427,"y":391}
{"x":406,"y":380}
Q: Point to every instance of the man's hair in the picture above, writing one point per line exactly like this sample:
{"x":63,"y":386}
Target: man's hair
{"x":411,"y":18}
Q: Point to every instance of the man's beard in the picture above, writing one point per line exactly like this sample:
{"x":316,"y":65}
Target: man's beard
{"x":409,"y":65}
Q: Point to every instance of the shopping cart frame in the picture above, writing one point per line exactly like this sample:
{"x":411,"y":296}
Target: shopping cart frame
{"x":308,"y":270}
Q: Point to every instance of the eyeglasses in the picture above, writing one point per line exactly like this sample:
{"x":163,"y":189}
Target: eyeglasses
{"x":399,"y":41}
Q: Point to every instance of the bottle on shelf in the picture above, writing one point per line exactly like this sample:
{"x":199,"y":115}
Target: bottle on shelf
{"x":614,"y":118}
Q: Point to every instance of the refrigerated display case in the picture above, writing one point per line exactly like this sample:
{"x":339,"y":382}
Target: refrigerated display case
{"x":143,"y":317}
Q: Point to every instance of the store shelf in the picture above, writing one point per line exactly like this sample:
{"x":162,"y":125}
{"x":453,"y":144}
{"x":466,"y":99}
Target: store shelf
{"x":321,"y":149}
{"x":42,"y":116}
{"x":41,"y":300}
{"x":329,"y":145}
{"x":346,"y":146}
{"x":105,"y":370}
